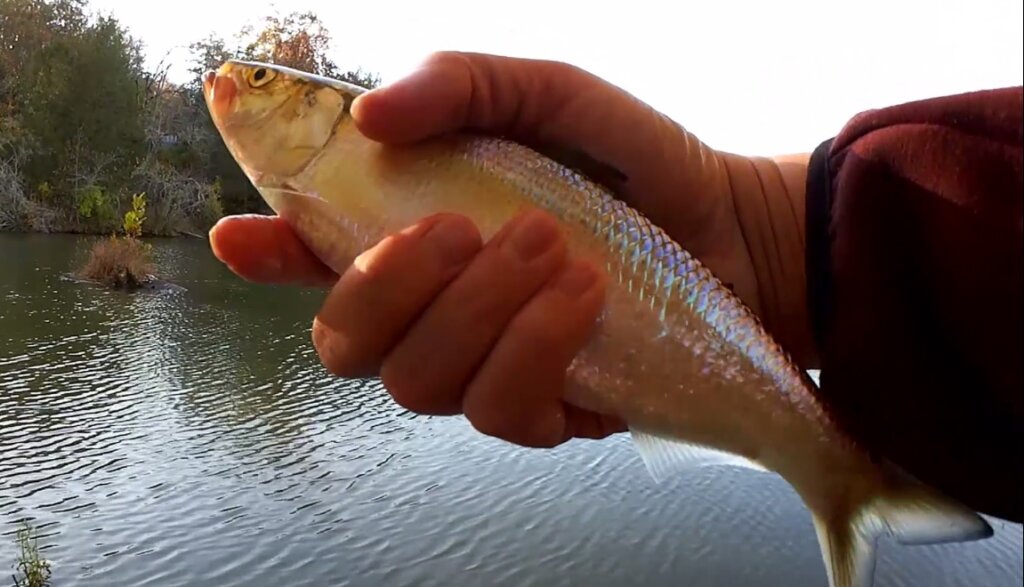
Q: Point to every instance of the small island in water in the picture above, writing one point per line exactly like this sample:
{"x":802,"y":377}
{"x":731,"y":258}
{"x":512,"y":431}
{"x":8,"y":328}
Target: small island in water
{"x":122,"y":261}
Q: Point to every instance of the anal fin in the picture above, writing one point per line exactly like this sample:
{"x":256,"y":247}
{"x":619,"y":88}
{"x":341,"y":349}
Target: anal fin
{"x":664,"y":457}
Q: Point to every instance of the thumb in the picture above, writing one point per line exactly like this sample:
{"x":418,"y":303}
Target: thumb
{"x":560,"y":110}
{"x":453,"y":91}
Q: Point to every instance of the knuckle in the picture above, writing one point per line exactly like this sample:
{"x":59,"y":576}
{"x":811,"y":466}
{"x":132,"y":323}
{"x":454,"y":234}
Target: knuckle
{"x":483,"y":410}
{"x":524,"y":425}
{"x":550,"y":327}
{"x":411,"y":392}
{"x":336,"y":355}
{"x":490,"y":422}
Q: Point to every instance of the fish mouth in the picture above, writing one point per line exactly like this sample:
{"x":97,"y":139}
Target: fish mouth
{"x":220,"y":91}
{"x":208,"y":78}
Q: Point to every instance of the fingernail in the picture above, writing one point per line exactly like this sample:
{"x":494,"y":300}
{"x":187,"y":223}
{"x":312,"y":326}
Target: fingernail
{"x":577,"y":279}
{"x":456,"y":240}
{"x":531,"y":236}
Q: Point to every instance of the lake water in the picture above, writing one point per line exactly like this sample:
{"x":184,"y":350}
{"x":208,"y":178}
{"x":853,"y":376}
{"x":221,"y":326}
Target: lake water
{"x":192,"y":438}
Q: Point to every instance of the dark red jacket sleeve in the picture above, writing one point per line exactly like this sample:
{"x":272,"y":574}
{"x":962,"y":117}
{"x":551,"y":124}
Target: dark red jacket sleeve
{"x":915,"y":284}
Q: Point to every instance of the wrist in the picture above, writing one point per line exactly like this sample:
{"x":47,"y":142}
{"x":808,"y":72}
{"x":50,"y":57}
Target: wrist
{"x":768,"y":201}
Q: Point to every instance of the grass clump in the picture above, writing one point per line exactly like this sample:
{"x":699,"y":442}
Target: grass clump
{"x":34,"y":570}
{"x":122,"y":261}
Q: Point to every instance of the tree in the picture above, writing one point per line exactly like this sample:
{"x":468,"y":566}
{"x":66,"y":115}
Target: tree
{"x":73,"y":95}
{"x":301,"y":41}
{"x":26,"y":27}
{"x":298,"y":40}
{"x":84,"y":125}
{"x":90,"y":120}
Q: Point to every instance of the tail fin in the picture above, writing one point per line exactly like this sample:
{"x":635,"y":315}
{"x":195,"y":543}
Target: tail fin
{"x":904,"y":508}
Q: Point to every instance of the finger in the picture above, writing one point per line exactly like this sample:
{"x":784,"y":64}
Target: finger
{"x":264,"y":249}
{"x":386,"y":288}
{"x":517,"y":393}
{"x":429,"y":368}
{"x":452,"y":91}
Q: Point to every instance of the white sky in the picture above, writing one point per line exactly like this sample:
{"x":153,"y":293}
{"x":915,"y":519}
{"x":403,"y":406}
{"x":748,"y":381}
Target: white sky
{"x":750,"y":77}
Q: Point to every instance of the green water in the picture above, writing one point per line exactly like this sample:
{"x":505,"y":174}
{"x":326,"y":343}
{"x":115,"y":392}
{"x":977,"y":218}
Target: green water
{"x":192,"y":438}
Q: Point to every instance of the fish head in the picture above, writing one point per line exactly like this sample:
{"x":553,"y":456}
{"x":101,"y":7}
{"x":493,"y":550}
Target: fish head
{"x":274,"y":119}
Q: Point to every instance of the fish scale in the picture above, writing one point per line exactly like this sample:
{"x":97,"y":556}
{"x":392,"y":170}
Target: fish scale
{"x":638,"y":246}
{"x":675,"y":354}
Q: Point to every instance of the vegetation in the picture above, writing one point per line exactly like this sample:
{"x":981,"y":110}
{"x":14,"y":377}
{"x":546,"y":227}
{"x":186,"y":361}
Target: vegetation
{"x":34,"y":570}
{"x":122,"y":261}
{"x":84,"y":126}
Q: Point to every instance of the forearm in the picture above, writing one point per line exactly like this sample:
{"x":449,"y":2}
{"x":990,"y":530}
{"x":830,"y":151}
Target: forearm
{"x":768,"y":201}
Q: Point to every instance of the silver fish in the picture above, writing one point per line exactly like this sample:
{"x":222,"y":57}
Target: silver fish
{"x":675,"y":354}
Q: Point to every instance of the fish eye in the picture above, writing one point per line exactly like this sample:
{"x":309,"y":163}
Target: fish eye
{"x":261,"y":77}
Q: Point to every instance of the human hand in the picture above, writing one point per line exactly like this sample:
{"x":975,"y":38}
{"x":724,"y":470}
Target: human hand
{"x":450,"y":324}
{"x":454,"y":325}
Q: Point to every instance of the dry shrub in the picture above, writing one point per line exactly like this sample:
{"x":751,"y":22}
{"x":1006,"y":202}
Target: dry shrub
{"x":122,"y":262}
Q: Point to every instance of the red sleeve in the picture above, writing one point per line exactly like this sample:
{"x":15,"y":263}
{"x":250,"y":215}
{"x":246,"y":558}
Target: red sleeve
{"x":915,"y":280}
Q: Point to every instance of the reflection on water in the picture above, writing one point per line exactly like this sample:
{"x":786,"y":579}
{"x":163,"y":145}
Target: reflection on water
{"x":192,"y":438}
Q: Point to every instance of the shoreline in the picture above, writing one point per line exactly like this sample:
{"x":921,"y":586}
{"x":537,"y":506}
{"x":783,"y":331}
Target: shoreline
{"x":87,"y":233}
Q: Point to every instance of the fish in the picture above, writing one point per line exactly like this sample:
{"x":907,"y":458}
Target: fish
{"x":675,"y":354}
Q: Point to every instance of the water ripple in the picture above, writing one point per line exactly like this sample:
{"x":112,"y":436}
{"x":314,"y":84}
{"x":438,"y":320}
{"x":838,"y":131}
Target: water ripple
{"x":192,"y":438}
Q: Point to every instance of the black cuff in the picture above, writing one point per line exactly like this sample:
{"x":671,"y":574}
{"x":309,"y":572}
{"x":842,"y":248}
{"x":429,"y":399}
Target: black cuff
{"x":818,"y":259}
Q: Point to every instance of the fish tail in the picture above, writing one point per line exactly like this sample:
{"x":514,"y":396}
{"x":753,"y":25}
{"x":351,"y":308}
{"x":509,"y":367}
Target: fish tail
{"x":850,"y":513}
{"x":849,"y":523}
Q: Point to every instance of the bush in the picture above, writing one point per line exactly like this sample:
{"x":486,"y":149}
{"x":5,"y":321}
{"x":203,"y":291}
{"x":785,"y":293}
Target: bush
{"x":134,"y":218}
{"x":177,"y":201}
{"x":96,"y":209}
{"x":120,"y":262}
